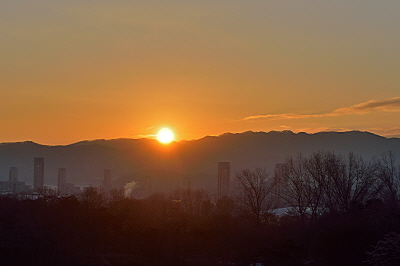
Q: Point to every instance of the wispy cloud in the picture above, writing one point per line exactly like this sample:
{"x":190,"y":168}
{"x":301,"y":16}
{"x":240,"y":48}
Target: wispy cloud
{"x":388,"y":105}
{"x":147,"y":136}
{"x":322,"y":129}
{"x":283,"y":116}
{"x":387,"y":131}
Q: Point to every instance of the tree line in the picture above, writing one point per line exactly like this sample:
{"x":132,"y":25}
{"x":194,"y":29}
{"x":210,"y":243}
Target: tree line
{"x":322,"y":183}
{"x":341,"y":210}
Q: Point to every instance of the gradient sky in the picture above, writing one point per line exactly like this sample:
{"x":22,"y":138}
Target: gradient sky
{"x":76,"y":70}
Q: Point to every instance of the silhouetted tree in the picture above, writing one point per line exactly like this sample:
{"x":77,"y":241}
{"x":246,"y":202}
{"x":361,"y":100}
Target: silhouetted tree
{"x":300,"y":190}
{"x":327,"y":181}
{"x":389,"y":175}
{"x":345,"y":182}
{"x":92,"y":197}
{"x":190,"y":201}
{"x":386,"y":252}
{"x":256,"y":187}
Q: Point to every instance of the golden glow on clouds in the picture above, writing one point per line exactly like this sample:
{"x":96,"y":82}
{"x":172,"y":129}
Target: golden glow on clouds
{"x":388,"y":105}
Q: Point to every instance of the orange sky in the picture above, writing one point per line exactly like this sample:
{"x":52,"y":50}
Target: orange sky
{"x":76,"y":70}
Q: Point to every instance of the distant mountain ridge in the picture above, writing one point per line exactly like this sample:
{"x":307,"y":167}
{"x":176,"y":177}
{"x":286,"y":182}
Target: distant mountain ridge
{"x":186,"y":162}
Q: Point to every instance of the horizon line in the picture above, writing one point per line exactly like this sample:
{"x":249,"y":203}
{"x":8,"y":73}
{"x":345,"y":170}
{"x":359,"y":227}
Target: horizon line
{"x":185,"y":140}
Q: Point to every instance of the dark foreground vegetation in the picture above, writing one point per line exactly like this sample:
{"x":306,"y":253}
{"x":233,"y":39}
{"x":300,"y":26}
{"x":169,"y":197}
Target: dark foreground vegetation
{"x":343,"y":211}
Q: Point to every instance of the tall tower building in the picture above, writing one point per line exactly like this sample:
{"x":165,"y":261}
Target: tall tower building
{"x":38,"y":174}
{"x":62,"y":180}
{"x":224,"y":179}
{"x":13,"y":175}
{"x":107,"y":180}
{"x":13,"y":179}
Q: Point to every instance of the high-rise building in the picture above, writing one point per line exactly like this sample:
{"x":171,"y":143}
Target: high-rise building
{"x":62,"y":180}
{"x":107,"y":180}
{"x":13,"y":179}
{"x":38,"y":174}
{"x":13,"y":175}
{"x":224,"y":179}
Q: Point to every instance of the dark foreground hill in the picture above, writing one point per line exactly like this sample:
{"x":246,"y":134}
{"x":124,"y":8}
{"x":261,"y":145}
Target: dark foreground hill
{"x":181,"y":163}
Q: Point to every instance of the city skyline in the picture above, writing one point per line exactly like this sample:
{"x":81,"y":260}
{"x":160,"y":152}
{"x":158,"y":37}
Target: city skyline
{"x":73,"y":71}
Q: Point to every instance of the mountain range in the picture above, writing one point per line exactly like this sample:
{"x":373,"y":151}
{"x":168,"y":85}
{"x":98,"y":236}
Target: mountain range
{"x":193,"y":162}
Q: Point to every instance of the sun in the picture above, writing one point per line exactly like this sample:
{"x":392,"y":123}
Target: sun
{"x":165,"y":135}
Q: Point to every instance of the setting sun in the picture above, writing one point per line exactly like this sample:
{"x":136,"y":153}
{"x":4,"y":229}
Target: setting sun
{"x":165,"y":135}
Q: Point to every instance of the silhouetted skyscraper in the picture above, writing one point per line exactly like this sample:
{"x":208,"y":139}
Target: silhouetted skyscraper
{"x":13,"y":179}
{"x":62,"y":180}
{"x":107,"y":180}
{"x":38,"y":174}
{"x":224,"y":179}
{"x":13,"y":176}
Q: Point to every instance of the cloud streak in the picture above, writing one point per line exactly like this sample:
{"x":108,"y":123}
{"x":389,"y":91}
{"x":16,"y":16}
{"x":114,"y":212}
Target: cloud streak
{"x":387,"y":105}
{"x":388,"y":131}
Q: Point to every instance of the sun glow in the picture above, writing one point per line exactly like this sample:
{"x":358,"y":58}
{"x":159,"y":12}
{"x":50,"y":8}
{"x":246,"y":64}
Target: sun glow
{"x":165,"y":135}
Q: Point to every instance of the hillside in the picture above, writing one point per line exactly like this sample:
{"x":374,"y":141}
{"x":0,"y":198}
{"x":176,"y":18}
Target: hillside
{"x":180,"y":163}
